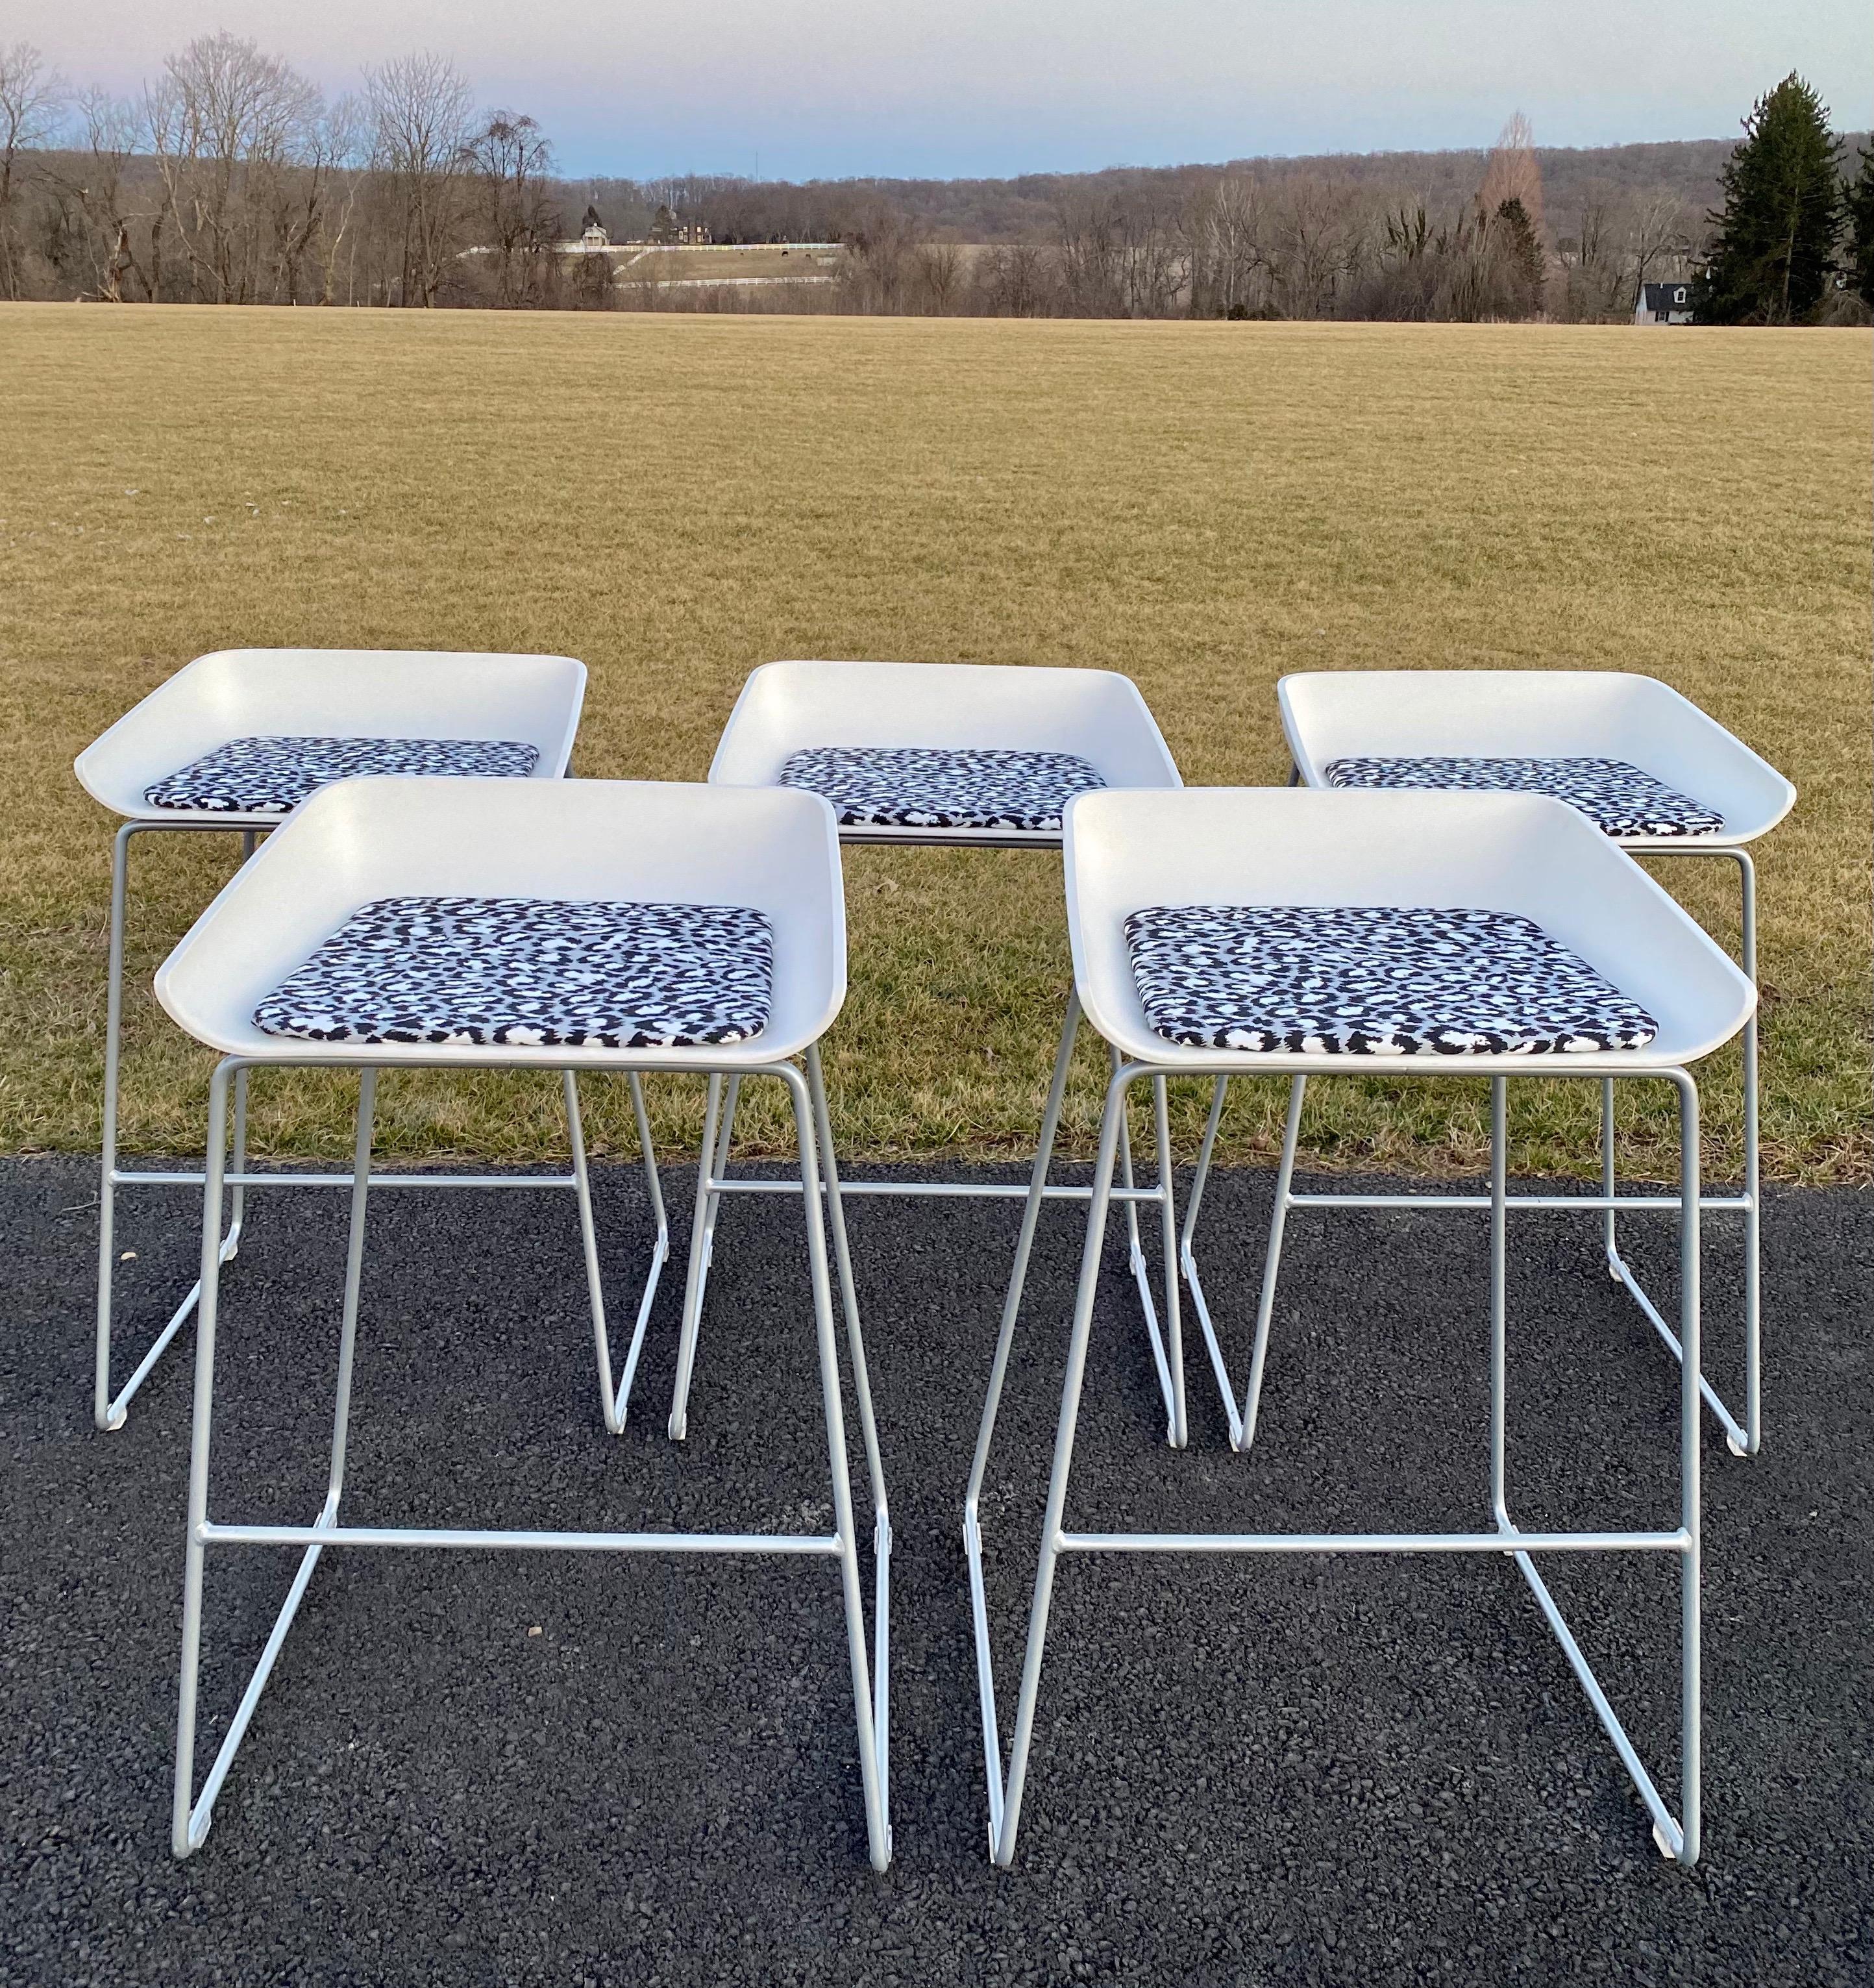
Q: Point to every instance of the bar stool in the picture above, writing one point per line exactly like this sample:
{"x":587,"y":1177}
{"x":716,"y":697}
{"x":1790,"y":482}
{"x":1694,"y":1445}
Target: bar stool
{"x":232,"y":742}
{"x":1647,"y":766}
{"x":487,"y":923}
{"x":1223,"y":932}
{"x":936,"y":756}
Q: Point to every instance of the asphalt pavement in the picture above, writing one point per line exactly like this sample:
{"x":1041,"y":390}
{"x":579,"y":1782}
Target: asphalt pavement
{"x":506,"y":1768}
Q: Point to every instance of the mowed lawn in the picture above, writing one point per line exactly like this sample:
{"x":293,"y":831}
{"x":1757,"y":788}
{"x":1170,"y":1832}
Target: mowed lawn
{"x":675,"y":500}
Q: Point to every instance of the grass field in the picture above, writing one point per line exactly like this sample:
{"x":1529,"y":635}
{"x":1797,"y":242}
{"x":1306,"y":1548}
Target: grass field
{"x":765,"y":262}
{"x":675,"y":500}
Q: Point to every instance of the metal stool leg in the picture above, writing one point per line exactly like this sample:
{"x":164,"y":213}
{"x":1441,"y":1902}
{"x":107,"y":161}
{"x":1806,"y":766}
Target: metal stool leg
{"x":719,"y":1167}
{"x":1271,"y":1266}
{"x":1011,"y":1308}
{"x":1753,"y":1183}
{"x":1142,"y":1276}
{"x":877,"y":1827}
{"x":848,"y":1294}
{"x":1200,"y":1179}
{"x":109,"y":1412}
{"x":718,"y":1129}
{"x":1177,"y":1432}
{"x":869,"y":1431}
{"x":1676,"y":1838}
{"x":615,"y":1403}
{"x":1691,"y":1430}
{"x":693,"y":1276}
{"x":1752,"y":1259}
{"x":1005,"y":1823}
{"x":191,"y":1816}
{"x":106,"y":1413}
{"x":1499,"y":1304}
{"x":1743,"y":1438}
{"x":237,"y":1197}
{"x":1018,"y":1273}
{"x":1243,"y":1420}
{"x":1609,"y":1235}
{"x":1170,"y":1385}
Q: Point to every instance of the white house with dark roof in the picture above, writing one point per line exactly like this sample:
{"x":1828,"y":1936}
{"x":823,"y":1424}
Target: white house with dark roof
{"x":1663,"y":303}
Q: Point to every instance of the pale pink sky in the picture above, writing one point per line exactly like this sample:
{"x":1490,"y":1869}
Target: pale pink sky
{"x":799,"y":87}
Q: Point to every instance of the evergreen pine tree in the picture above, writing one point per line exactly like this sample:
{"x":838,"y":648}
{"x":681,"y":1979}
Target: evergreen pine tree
{"x":1773,"y":251}
{"x":1524,"y":255}
{"x":1860,"y":204}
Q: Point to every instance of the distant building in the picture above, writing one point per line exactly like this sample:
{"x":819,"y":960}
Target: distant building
{"x":669,"y":230}
{"x":1663,"y":303}
{"x":592,"y":232}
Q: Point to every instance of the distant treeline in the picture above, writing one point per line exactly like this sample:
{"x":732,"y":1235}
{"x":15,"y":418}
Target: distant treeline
{"x":232,"y":179}
{"x":1028,"y":208}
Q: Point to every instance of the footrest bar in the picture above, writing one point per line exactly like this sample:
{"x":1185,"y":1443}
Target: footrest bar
{"x":1601,"y":1203}
{"x":1372,"y":1543}
{"x":345,"y":1180}
{"x":827,"y":1544}
{"x":939,"y":1190}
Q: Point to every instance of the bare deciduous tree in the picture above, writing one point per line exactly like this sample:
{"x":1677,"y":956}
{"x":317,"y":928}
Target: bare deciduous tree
{"x":1017,"y":279}
{"x":518,"y":222}
{"x":337,"y":250}
{"x":1511,"y":173}
{"x":31,"y":97}
{"x":1121,"y":258}
{"x":1515,"y":232}
{"x":1592,"y":273}
{"x":1659,"y":236}
{"x":420,"y":107}
{"x":1227,"y":231}
{"x":890,"y":269}
{"x":1320,"y":241}
{"x":226,"y":122}
{"x":96,"y":185}
{"x":939,"y":269}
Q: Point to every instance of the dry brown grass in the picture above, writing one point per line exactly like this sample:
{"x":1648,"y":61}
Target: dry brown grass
{"x":778,"y":263}
{"x":676,"y":500}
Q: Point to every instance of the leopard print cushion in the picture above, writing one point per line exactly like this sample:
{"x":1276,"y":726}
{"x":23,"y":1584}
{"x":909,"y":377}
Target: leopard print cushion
{"x":1354,"y":980}
{"x":893,"y":786}
{"x":274,"y":776}
{"x":1620,"y":799}
{"x":527,"y":970}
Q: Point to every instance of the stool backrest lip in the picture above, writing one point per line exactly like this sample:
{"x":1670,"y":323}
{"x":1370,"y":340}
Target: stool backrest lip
{"x":351,"y":693}
{"x":787,"y":706}
{"x":1519,"y":852}
{"x":1329,"y":715}
{"x":774,"y":850}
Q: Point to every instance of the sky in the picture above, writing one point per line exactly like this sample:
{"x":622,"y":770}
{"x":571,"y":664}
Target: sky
{"x":833,"y":89}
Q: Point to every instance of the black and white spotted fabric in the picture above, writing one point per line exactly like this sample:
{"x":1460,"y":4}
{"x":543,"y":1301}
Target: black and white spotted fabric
{"x":896,"y":787}
{"x":274,"y":776}
{"x":1620,"y":799}
{"x":1372,"y":981}
{"x":529,"y":971}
